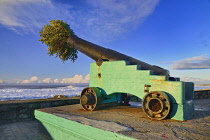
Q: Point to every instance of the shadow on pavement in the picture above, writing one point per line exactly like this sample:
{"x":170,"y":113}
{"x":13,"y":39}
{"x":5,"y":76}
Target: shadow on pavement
{"x":43,"y":131}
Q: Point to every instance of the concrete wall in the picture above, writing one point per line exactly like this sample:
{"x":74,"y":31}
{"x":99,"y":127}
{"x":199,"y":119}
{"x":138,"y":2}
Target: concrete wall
{"x":202,"y":94}
{"x":12,"y":111}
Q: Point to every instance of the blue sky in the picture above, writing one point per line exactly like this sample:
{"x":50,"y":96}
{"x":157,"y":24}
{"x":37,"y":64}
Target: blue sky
{"x":172,"y":34}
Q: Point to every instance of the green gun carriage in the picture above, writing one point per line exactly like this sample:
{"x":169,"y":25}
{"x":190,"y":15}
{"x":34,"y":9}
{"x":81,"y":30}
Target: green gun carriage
{"x":114,"y":74}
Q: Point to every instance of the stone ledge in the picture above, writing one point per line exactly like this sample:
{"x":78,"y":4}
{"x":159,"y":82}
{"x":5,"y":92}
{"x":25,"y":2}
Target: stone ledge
{"x":12,"y":111}
{"x":202,"y":94}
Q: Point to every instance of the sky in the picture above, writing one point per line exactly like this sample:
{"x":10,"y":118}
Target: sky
{"x":174,"y":35}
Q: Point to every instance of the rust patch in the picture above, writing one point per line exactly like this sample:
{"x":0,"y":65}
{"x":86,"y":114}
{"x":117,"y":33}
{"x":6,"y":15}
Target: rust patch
{"x":99,"y":75}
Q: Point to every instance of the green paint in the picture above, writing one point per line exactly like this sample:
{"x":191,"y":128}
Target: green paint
{"x":63,"y":129}
{"x":110,"y":80}
{"x":120,"y":77}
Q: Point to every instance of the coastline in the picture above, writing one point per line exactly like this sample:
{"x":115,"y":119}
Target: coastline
{"x":202,"y":89}
{"x":45,"y":91}
{"x":202,"y":85}
{"x":72,"y":97}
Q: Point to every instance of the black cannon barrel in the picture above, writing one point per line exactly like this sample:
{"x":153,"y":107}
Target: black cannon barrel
{"x":99,"y":54}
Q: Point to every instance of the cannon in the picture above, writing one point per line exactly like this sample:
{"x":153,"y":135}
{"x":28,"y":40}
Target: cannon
{"x":115,"y":74}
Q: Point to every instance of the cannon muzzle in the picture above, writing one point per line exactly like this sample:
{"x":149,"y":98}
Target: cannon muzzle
{"x":100,"y":54}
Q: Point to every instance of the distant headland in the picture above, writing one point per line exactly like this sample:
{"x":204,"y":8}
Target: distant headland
{"x":202,"y":85}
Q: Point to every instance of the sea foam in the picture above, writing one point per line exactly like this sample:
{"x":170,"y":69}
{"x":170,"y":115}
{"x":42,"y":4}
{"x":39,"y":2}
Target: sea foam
{"x":24,"y":92}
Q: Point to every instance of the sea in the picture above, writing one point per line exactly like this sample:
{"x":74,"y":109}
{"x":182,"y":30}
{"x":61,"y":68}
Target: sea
{"x":40,"y":91}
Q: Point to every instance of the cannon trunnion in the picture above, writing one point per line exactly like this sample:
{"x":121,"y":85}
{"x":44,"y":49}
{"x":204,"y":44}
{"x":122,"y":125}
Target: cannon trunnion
{"x":161,"y":98}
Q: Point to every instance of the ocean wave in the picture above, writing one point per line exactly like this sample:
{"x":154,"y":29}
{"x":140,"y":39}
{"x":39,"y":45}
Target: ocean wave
{"x":25,"y":92}
{"x":38,"y":93}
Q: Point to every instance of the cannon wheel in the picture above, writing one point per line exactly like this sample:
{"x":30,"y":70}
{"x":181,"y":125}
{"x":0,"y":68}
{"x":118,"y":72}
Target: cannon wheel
{"x":91,"y":98}
{"x":156,"y":105}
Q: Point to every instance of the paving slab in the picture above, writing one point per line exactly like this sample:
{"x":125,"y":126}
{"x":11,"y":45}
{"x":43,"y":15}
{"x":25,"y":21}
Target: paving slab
{"x":27,"y":130}
{"x":132,"y":122}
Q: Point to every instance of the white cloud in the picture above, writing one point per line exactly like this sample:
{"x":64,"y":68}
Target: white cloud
{"x":99,"y":19}
{"x":47,"y":80}
{"x":196,"y":80}
{"x":87,"y":79}
{"x":25,"y":81}
{"x":197,"y":62}
{"x":26,"y":16}
{"x":109,"y":19}
{"x":76,"y":79}
{"x":56,"y":81}
{"x":33,"y":79}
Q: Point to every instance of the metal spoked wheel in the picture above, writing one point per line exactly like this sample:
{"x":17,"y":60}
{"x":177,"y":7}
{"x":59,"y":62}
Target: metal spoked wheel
{"x":89,"y":99}
{"x":156,"y":105}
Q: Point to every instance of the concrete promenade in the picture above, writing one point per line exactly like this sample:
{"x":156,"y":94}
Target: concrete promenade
{"x":138,"y":125}
{"x":197,"y":127}
{"x":27,"y":130}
